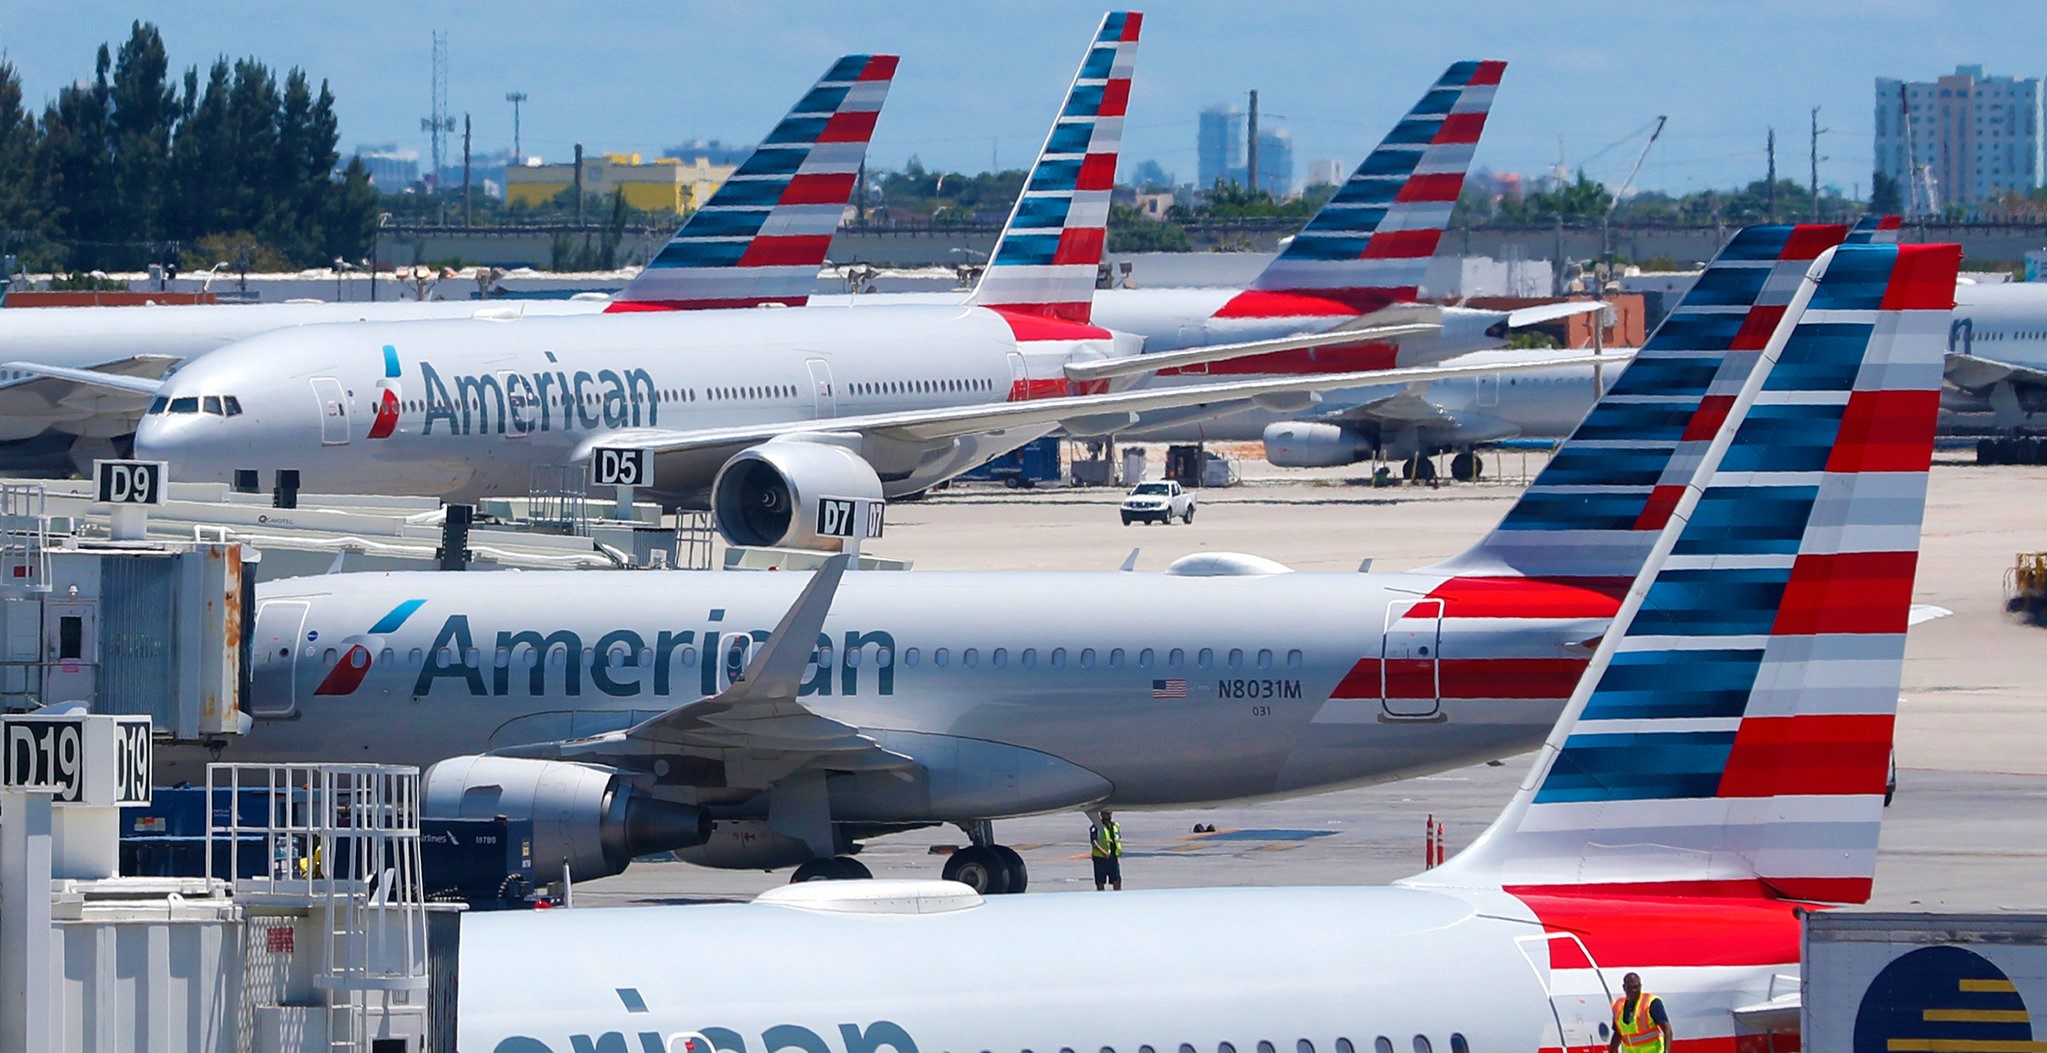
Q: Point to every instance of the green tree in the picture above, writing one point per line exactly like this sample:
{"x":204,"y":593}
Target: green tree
{"x":1886,"y":197}
{"x":23,"y":207}
{"x":1133,"y":231}
{"x":143,"y":110}
{"x":76,"y":167}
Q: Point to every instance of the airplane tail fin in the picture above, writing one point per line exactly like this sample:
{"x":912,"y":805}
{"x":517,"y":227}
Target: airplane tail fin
{"x":1875,"y":230}
{"x":764,"y":233}
{"x":1046,"y":260}
{"x":1595,"y":509}
{"x":1370,"y":243}
{"x":1732,"y":733}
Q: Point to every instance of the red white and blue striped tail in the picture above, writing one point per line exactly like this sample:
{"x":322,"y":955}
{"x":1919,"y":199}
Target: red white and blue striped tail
{"x":763,"y":235}
{"x":1370,"y":243}
{"x":1875,"y":230}
{"x":1046,"y":261}
{"x":1595,"y":509}
{"x":1732,"y":733}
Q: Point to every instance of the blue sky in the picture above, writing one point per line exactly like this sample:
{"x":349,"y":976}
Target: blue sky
{"x":980,"y":81}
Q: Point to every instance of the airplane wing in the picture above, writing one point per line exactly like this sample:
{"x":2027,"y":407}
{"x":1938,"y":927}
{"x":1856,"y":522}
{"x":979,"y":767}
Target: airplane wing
{"x":1974,"y":372}
{"x":1524,"y":317}
{"x":1078,"y":414}
{"x":757,"y":728}
{"x":123,"y":386}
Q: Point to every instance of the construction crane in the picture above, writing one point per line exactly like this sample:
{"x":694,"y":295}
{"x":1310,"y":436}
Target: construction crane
{"x":1606,"y":221}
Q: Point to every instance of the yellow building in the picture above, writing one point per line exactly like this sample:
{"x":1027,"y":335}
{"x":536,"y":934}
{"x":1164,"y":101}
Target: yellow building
{"x":665,"y":185}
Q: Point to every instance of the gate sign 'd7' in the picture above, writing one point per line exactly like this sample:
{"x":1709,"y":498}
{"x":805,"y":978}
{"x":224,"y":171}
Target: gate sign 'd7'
{"x":849,"y":517}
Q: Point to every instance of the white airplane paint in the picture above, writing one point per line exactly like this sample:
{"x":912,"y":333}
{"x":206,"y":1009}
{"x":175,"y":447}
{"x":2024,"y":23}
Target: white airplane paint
{"x":1648,"y":837}
{"x":1997,"y":354}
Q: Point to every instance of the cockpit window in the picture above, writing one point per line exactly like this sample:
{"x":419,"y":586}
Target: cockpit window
{"x":234,"y":405}
{"x":185,"y":404}
{"x":159,"y":404}
{"x":213,"y":406}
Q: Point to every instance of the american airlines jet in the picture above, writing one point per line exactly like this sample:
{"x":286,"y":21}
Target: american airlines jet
{"x":643,"y":712}
{"x":1997,"y":354}
{"x":759,"y":240}
{"x":1718,"y":769}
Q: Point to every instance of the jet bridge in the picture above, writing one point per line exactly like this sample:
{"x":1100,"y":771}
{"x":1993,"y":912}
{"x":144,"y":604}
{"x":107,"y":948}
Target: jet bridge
{"x":150,"y":628}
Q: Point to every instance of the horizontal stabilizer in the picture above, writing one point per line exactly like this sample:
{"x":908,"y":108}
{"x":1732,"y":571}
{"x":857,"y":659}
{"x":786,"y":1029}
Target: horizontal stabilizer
{"x":1131,"y":365}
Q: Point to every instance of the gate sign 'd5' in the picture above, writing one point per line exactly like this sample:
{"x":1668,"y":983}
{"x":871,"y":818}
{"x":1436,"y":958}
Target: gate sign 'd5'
{"x":615,"y":466}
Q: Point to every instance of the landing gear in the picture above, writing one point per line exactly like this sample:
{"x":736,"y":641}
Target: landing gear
{"x":1466,"y":467}
{"x":837,"y":868}
{"x":1418,"y":469}
{"x":986,"y":867}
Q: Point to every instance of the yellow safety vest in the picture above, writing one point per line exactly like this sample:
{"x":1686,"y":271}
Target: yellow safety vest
{"x":1640,"y":1034}
{"x":1108,"y":841}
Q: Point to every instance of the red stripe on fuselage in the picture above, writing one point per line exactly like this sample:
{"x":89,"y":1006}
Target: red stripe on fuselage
{"x":1310,"y":303}
{"x":1847,"y":592}
{"x":1476,"y":597}
{"x":1355,"y":358}
{"x":1807,"y":754}
{"x":1886,"y":431}
{"x":1692,"y":924}
{"x":1050,"y":321}
{"x":1516,"y":678}
{"x":707,"y":304}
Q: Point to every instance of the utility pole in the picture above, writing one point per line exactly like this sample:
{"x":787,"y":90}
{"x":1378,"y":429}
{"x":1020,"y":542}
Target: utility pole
{"x":465,"y":171}
{"x":518,"y":152}
{"x":1816,"y":132}
{"x":1770,"y":181}
{"x":1251,"y":146}
{"x":579,"y":185}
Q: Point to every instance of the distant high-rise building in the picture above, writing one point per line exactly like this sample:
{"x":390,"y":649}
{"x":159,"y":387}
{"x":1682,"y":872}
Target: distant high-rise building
{"x":1327,"y":171}
{"x":1151,"y":175}
{"x":1977,"y":136}
{"x":1276,"y":161}
{"x":1219,"y":146}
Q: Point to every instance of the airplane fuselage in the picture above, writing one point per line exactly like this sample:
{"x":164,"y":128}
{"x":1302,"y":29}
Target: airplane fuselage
{"x":471,"y":408}
{"x":1139,"y":690}
{"x":1328,"y":969}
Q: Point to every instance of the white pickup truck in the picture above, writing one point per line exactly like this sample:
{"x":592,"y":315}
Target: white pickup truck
{"x":1158,"y":503}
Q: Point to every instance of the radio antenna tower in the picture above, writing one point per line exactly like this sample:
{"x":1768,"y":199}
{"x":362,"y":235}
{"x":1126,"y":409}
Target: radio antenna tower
{"x":440,"y":124}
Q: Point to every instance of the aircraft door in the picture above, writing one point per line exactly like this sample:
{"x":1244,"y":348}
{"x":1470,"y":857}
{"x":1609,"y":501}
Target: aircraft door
{"x":824,"y":400}
{"x":333,"y":404}
{"x":71,"y":650}
{"x":1410,"y":676}
{"x":1019,"y":378}
{"x":1580,"y":1002}
{"x":1488,"y":389}
{"x":273,"y":657}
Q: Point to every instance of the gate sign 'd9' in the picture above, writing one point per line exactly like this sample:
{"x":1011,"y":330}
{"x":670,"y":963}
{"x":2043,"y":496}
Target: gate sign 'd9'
{"x":129,"y":482}
{"x":88,"y":760}
{"x":614,"y":466}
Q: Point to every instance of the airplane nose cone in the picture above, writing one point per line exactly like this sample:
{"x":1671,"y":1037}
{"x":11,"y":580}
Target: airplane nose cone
{"x":182,"y":439}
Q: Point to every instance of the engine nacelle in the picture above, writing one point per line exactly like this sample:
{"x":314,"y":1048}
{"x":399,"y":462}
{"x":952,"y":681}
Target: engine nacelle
{"x":583,"y":817}
{"x":747,"y":844}
{"x":766,"y":496}
{"x":1306,"y":444}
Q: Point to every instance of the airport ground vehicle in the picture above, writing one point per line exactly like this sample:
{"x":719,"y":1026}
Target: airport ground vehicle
{"x":1158,"y":502}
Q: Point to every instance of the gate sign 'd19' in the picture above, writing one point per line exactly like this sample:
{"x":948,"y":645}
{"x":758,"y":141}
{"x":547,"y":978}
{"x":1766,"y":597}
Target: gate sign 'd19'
{"x":93,"y":760}
{"x":615,"y":466}
{"x":129,"y":482}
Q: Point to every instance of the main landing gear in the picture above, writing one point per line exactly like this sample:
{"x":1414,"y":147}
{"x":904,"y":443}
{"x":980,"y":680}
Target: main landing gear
{"x":837,"y":868}
{"x":986,"y":867}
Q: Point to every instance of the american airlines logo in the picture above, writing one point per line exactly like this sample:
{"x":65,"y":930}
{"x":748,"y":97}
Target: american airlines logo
{"x":851,"y":1038}
{"x":521,"y":403}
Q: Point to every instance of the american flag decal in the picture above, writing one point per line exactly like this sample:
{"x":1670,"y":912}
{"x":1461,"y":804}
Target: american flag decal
{"x":1175,"y":688}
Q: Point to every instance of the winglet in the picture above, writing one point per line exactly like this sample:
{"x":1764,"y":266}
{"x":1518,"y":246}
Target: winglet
{"x":764,"y":233}
{"x":777,"y":668}
{"x":1046,"y":260}
{"x":1371,"y":242}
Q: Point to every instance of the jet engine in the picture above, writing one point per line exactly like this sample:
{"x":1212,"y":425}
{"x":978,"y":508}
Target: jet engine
{"x":585,"y":818}
{"x":766,"y":496}
{"x":1306,"y":444}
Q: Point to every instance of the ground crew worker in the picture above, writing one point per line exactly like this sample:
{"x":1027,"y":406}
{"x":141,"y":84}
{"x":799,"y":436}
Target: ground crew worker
{"x":1639,"y":1023}
{"x":1105,"y":847}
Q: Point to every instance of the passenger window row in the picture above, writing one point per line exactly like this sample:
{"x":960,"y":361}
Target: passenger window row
{"x":943,"y":657}
{"x":922,"y":387}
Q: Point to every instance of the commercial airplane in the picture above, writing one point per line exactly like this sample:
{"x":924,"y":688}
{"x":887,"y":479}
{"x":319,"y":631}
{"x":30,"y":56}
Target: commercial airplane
{"x":1718,"y":769}
{"x":616,"y":714}
{"x":1997,"y":354}
{"x":759,"y":240}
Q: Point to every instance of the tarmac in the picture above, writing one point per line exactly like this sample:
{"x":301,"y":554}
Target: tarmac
{"x":1968,"y":829}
